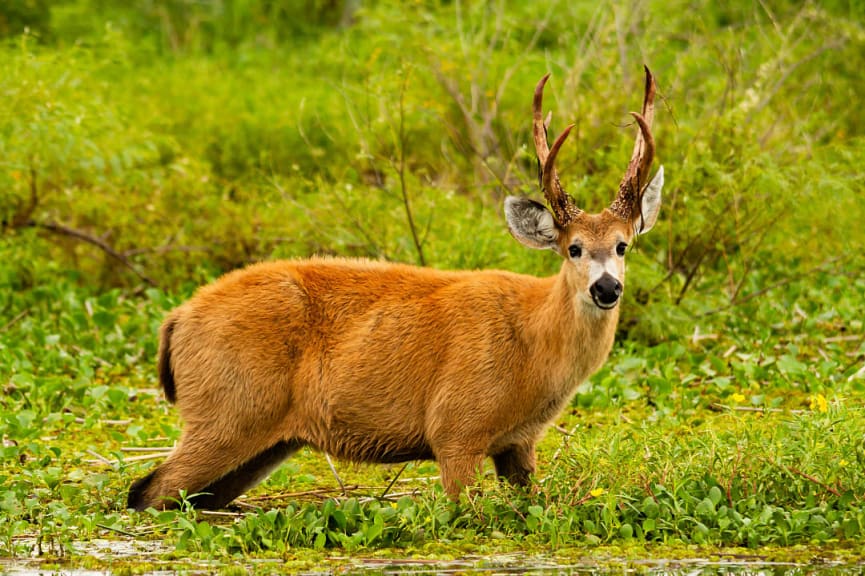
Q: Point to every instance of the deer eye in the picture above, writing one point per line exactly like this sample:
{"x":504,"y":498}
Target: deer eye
{"x":620,"y":248}
{"x":575,"y":251}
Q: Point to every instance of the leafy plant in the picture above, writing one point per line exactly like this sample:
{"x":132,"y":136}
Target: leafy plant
{"x":148,"y":147}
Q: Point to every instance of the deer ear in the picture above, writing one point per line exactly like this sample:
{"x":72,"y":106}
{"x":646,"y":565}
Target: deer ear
{"x":651,"y":204}
{"x":531,"y":223}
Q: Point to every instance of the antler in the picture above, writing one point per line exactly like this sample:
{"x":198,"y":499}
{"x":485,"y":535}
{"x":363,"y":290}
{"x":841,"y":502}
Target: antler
{"x":563,"y":207}
{"x":627,"y":202}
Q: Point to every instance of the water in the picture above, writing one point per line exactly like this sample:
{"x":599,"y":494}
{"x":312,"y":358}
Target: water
{"x":130,"y":551}
{"x":521,"y":564}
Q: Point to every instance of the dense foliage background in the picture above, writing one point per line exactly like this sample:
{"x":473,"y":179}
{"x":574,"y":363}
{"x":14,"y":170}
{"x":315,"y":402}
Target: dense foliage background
{"x":147,"y":146}
{"x":194,"y":137}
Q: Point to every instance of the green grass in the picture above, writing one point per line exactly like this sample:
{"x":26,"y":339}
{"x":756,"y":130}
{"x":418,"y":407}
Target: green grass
{"x":141,"y":158}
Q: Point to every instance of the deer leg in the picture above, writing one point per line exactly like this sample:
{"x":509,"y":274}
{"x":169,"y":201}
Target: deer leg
{"x":458,"y":470}
{"x":202,"y":463}
{"x":219,"y":493}
{"x":516,"y":463}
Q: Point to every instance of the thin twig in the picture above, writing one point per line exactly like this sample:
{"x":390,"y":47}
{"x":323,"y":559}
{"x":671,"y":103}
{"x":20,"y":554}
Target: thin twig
{"x":780,"y":283}
{"x":718,"y":407}
{"x":80,"y":420}
{"x":848,"y":338}
{"x":420,"y":479}
{"x":412,"y":492}
{"x":168,"y":248}
{"x":118,"y":530}
{"x":222,"y":514}
{"x":151,"y":456}
{"x":98,"y":456}
{"x":395,"y":478}
{"x":393,"y":496}
{"x":623,"y":51}
{"x":563,"y":444}
{"x":729,"y":352}
{"x":17,"y":317}
{"x":335,"y":475}
{"x":760,"y":235}
{"x":314,"y":492}
{"x":789,"y":72}
{"x":22,"y":216}
{"x":811,"y":479}
{"x":93,"y":240}
{"x":586,"y":497}
{"x":514,"y":508}
{"x":80,"y":350}
{"x":698,"y":337}
{"x":679,"y":261}
{"x":401,"y":169}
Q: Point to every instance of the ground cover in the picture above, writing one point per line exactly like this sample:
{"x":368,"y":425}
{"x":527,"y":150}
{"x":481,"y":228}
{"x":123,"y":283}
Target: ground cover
{"x":143,"y":153}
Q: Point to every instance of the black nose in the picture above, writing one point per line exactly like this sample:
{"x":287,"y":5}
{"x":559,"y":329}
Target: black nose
{"x":606,"y":291}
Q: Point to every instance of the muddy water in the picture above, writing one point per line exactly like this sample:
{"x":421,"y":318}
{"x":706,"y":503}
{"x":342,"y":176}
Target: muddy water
{"x":488,"y":566}
{"x":148,"y":553}
{"x":521,"y":564}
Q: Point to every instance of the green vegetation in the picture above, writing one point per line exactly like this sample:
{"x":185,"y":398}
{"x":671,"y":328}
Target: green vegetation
{"x":147,"y":147}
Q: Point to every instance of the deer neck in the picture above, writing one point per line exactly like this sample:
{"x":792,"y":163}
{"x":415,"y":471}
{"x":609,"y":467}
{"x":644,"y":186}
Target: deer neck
{"x":571,"y":337}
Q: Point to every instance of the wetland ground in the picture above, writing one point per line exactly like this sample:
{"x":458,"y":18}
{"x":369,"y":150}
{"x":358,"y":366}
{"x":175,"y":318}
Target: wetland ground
{"x":146,"y":148}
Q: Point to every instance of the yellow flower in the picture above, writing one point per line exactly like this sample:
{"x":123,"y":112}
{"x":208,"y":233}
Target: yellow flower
{"x":819,"y":403}
{"x":737,"y":398}
{"x":597,"y":492}
{"x":842,"y":463}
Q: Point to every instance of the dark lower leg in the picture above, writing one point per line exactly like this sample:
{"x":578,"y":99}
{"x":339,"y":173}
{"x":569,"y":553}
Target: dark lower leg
{"x":200,"y":463}
{"x":516,"y":464}
{"x":219,"y":493}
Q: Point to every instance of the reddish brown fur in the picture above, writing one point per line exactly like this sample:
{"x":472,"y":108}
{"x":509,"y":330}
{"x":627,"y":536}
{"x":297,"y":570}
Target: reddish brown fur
{"x":378,"y":362}
{"x":375,"y":362}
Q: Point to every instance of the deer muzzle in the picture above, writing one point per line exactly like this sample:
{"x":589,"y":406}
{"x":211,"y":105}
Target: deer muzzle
{"x":606,"y":291}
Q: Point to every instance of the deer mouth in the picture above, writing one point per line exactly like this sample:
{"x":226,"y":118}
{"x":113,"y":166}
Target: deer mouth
{"x":604,"y":305}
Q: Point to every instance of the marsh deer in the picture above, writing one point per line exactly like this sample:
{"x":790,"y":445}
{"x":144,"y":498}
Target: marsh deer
{"x":380,"y":362}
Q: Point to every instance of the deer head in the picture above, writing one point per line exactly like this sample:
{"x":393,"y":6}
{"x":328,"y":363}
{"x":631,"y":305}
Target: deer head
{"x":593,"y":244}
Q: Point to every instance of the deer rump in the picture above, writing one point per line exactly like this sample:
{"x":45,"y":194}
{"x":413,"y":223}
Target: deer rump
{"x":369,"y":362}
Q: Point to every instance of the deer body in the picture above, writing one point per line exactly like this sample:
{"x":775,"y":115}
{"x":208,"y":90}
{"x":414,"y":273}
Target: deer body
{"x":379,"y":362}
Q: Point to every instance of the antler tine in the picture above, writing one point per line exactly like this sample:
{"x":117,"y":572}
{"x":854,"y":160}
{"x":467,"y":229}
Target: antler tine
{"x":636,"y":176}
{"x":564,"y":209}
{"x":646,"y":153}
{"x":539,"y":128}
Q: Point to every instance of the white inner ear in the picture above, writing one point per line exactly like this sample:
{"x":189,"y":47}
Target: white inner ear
{"x":651,"y":205}
{"x":547,"y":227}
{"x":531,"y":223}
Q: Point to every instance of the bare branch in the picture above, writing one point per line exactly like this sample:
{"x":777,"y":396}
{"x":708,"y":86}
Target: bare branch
{"x":93,"y":240}
{"x":335,"y":474}
{"x":166,"y":248}
{"x":12,"y":322}
{"x":395,"y":478}
{"x":787,"y":73}
{"x":402,"y":183}
{"x":809,"y":478}
{"x":736,"y":301}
